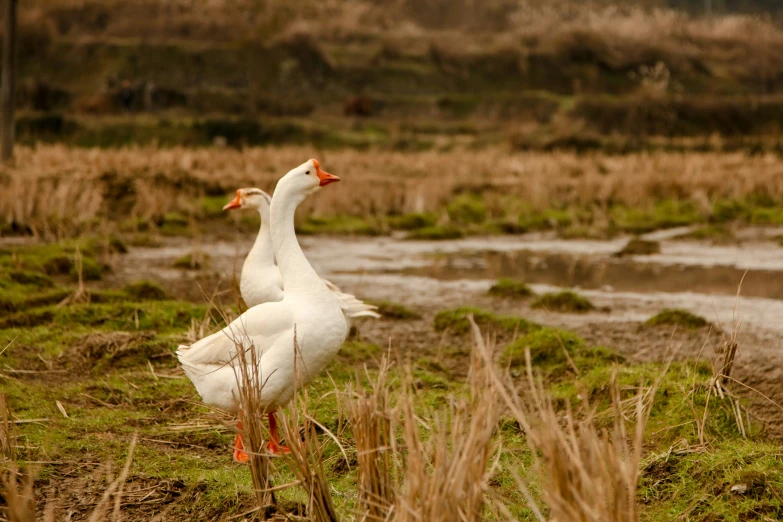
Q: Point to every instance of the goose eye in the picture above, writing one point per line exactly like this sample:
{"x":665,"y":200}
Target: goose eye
{"x":308,"y":172}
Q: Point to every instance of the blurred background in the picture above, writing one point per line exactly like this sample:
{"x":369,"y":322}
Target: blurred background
{"x":406,"y":75}
{"x":588,"y":119}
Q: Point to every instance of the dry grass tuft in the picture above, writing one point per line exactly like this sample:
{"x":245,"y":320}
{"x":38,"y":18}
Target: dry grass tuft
{"x":306,"y":456}
{"x":17,"y":491}
{"x":7,"y":432}
{"x":369,"y":413}
{"x":447,"y":468}
{"x":590,"y":474}
{"x":306,"y":460}
{"x":253,"y":430}
{"x":16,"y":488}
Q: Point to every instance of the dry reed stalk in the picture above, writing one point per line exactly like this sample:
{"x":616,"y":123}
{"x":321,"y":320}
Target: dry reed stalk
{"x":722,"y":365}
{"x":252,"y":414}
{"x":589,"y":474}
{"x":306,"y":455}
{"x":369,"y":413}
{"x":81,"y":294}
{"x":19,"y":498}
{"x":7,"y":432}
{"x":446,"y":472}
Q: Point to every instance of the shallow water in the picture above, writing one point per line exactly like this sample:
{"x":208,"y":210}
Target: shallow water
{"x":692,"y":275}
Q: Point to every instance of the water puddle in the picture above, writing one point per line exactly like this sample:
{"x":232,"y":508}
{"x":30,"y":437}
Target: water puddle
{"x":601,"y":272}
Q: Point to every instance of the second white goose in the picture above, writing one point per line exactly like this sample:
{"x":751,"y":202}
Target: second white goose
{"x":260,"y":281}
{"x":308,"y":317}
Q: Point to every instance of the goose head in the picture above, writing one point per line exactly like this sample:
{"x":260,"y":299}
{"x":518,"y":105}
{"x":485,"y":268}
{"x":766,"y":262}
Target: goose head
{"x":252,"y":198}
{"x":302,"y":181}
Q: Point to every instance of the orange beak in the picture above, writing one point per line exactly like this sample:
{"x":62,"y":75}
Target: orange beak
{"x":325,"y":177}
{"x":234,"y":203}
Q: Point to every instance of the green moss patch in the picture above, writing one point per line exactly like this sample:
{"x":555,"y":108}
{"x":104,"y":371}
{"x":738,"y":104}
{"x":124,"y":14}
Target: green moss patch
{"x":548,"y":348}
{"x":145,"y":291}
{"x":564,"y":302}
{"x":412,"y":221}
{"x":455,"y":320}
{"x":356,"y":351}
{"x":467,"y":209}
{"x":677,"y":317}
{"x":511,"y":288}
{"x":26,"y":278}
{"x":350,"y":225}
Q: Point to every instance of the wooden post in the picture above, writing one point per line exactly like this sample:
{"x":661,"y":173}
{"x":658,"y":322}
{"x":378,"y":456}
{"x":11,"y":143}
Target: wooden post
{"x":8,"y":90}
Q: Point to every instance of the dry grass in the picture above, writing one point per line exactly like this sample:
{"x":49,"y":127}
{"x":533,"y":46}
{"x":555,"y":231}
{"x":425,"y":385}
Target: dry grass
{"x":16,"y":489}
{"x":57,"y":191}
{"x":7,"y":432}
{"x":369,"y":414}
{"x":306,"y":459}
{"x":253,"y":430}
{"x":448,"y":465}
{"x":589,"y":473}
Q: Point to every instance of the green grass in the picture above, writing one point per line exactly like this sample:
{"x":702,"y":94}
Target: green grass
{"x":338,"y":225}
{"x":467,"y":209}
{"x":105,"y":349}
{"x":511,"y":288}
{"x":677,"y":317}
{"x":412,"y":221}
{"x":665,"y":213}
{"x":145,"y":291}
{"x":564,"y":302}
{"x":175,"y":224}
{"x":699,"y":485}
{"x":456,"y":322}
{"x":549,"y":218}
{"x":551,"y":349}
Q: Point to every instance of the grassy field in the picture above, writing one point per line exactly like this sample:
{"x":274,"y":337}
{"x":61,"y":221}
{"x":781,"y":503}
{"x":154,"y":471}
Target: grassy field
{"x":88,"y":372}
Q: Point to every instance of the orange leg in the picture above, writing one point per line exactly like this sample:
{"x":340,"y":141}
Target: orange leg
{"x":273,"y":445}
{"x":240,"y":455}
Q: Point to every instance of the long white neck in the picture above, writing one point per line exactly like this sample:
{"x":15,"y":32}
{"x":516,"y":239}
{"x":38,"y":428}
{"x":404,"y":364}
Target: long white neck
{"x":263,"y":252}
{"x":298,"y":276}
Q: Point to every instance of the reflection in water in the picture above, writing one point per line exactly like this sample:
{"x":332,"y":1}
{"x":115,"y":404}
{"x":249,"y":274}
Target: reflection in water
{"x":595,"y":272}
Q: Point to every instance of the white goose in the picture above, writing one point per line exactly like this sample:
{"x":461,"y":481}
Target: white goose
{"x":309,"y":310}
{"x":260,"y":281}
